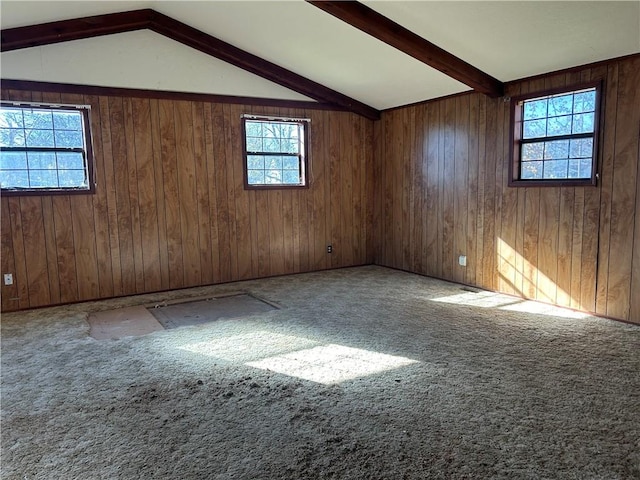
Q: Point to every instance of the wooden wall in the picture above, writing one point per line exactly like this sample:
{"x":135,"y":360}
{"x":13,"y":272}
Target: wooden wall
{"x":441,"y":191}
{"x":170,"y":210}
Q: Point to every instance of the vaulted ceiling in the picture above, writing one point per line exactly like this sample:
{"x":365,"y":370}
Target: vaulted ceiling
{"x":493,"y":41}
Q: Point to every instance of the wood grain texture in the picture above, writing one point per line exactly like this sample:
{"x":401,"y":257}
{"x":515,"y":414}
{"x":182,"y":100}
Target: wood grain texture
{"x":170,"y":210}
{"x":578,"y":247}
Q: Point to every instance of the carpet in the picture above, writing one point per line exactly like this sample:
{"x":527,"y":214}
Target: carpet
{"x":364,"y":373}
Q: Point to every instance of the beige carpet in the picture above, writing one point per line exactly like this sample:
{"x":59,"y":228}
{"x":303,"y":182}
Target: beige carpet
{"x":364,"y":373}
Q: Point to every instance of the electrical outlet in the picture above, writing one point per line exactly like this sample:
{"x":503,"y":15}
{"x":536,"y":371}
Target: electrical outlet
{"x":8,"y":279}
{"x":329,"y":248}
{"x":462,"y":260}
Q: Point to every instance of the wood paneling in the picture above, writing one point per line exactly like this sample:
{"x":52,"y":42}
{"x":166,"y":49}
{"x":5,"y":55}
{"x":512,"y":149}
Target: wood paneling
{"x":573,"y":246}
{"x":170,"y":210}
{"x":415,"y":190}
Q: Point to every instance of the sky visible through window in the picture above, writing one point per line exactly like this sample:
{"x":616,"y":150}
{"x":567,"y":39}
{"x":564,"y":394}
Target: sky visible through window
{"x":42,"y":148}
{"x":274,"y":152}
{"x":557,"y":136}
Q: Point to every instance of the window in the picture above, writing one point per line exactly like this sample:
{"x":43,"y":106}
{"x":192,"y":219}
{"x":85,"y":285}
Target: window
{"x":45,"y":149}
{"x":555,"y":138}
{"x":275,"y":152}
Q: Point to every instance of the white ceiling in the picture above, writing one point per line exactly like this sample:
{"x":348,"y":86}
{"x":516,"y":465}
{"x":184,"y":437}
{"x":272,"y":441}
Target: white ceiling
{"x":508,"y":40}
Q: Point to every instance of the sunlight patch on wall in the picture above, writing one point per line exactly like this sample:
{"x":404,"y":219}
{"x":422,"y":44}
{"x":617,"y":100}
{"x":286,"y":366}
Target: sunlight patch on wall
{"x":298,"y":357}
{"x":519,"y":275}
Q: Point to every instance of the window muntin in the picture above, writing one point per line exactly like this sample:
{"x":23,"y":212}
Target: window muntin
{"x":555,"y":138}
{"x":275,"y":152}
{"x":45,"y":149}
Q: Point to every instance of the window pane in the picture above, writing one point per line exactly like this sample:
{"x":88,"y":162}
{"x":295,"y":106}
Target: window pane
{"x":584,"y":102}
{"x":68,"y":139}
{"x":535,"y":128}
{"x":559,"y":125}
{"x":579,"y":168}
{"x":586,"y":167}
{"x":288,"y":130}
{"x":39,"y":138}
{"x":273,"y":176}
{"x":532,"y":151}
{"x":535,"y":109}
{"x":67,"y":121}
{"x":583,"y":123}
{"x":72,"y":178}
{"x":560,"y":105}
{"x":531,"y":170}
{"x":14,"y":179}
{"x":574,"y":168}
{"x":38,"y":119}
{"x":291,"y":177}
{"x":581,"y":148}
{"x":11,"y":137}
{"x":72,"y":161}
{"x":43,"y":178}
{"x":290,"y":163}
{"x":42,"y":160}
{"x":11,"y":118}
{"x":273,"y":163}
{"x":13,"y":160}
{"x":253,"y":129}
{"x":271,"y":130}
{"x":555,"y":169}
{"x":255,"y":177}
{"x":290,"y":145}
{"x":255,"y":162}
{"x":254,"y":144}
{"x":271,"y":145}
{"x":557,"y":149}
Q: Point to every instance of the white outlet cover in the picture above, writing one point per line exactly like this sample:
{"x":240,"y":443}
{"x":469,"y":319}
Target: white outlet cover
{"x":462,"y":260}
{"x":8,"y":279}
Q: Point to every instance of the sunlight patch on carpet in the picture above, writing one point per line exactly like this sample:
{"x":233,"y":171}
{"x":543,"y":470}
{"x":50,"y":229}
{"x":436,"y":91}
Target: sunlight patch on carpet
{"x":298,"y":357}
{"x":329,"y":364}
{"x":508,"y":302}
{"x":249,"y":346}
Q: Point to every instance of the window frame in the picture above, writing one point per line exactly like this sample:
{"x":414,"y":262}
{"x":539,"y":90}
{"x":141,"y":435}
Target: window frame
{"x":516,"y":123}
{"x":303,"y":156}
{"x":89,"y":159}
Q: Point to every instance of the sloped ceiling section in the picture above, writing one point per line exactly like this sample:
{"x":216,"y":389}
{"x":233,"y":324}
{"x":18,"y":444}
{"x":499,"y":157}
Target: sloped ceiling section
{"x":141,"y":59}
{"x":506,"y":40}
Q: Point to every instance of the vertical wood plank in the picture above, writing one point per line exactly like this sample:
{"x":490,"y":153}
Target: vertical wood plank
{"x":187,"y":193}
{"x":624,"y":190}
{"x":100,"y":210}
{"x":146,"y":196}
{"x":171,"y":194}
{"x":202,"y":193}
{"x":163,"y":254}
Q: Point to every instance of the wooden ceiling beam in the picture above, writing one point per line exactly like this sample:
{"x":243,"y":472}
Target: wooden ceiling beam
{"x":87,"y":27}
{"x":205,"y":43}
{"x":378,"y":26}
{"x":74,"y":29}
